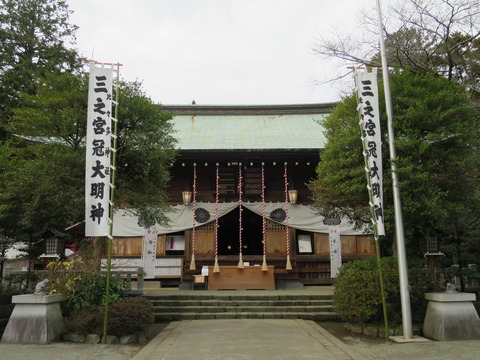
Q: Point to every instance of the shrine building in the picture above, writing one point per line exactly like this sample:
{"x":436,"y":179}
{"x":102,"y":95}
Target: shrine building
{"x":241,"y":209}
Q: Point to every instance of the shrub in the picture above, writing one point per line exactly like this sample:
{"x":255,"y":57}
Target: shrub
{"x":83,"y":287}
{"x":357,"y":291}
{"x":129,"y":316}
{"x":358,"y":297}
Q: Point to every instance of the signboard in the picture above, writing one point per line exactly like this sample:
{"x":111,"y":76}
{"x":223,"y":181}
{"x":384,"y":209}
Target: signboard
{"x":367,"y":91}
{"x":304,"y":244}
{"x":98,"y":151}
{"x":175,"y":243}
{"x":335,"y":249}
{"x":149,"y":253}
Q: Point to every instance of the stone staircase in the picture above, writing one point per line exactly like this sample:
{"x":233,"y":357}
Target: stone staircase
{"x":243,"y":306}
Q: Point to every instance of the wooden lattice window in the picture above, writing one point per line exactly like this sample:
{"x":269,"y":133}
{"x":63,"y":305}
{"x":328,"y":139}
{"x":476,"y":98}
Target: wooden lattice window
{"x":206,"y":227}
{"x":272,"y":225}
{"x":252,"y":181}
{"x":227,"y":181}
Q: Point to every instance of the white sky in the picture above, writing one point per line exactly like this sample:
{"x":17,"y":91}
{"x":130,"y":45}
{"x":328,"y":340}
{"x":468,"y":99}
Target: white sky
{"x":217,"y":51}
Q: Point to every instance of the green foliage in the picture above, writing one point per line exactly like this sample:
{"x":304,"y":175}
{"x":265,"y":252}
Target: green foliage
{"x":83,"y":288}
{"x":145,"y":154}
{"x":358,"y":295}
{"x":357,"y":291}
{"x":43,"y":178}
{"x":436,"y":138}
{"x":129,"y":316}
{"x":341,"y":183}
{"x":34,"y":38}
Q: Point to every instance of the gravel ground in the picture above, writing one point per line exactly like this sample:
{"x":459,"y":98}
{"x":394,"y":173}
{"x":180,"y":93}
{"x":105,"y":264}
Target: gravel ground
{"x":376,"y":348}
{"x":370,"y":348}
{"x":71,"y":351}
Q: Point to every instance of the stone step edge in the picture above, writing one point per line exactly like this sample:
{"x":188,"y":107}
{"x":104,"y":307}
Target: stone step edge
{"x":239,"y":297}
{"x":246,"y":315}
{"x":267,"y":302}
{"x":237,"y":309}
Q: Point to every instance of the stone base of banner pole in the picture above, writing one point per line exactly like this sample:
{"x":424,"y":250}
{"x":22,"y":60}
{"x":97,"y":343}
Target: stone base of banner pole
{"x":36,"y":319}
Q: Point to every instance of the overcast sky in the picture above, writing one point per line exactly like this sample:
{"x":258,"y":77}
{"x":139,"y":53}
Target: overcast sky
{"x":217,"y":51}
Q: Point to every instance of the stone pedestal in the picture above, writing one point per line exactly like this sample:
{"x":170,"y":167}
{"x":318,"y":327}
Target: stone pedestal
{"x":36,"y":319}
{"x":451,"y":316}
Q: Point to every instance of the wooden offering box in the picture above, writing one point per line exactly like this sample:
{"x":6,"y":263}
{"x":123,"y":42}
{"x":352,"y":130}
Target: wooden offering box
{"x":248,"y":278}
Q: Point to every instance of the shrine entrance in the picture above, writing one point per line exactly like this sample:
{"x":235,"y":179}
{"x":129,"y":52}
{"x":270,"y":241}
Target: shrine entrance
{"x":229,"y":233}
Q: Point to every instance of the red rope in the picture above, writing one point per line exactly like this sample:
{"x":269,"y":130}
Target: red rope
{"x":264,"y":221}
{"x":194,"y":208}
{"x":217,"y":177}
{"x":240,"y":229}
{"x":287,"y":230}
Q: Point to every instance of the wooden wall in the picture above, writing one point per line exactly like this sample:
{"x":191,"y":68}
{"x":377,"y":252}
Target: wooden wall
{"x":350,"y":244}
{"x":205,"y":244}
{"x":132,"y":246}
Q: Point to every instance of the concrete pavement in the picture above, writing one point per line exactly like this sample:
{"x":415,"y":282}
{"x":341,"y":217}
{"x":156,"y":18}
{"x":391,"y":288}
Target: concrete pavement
{"x":246,"y":339}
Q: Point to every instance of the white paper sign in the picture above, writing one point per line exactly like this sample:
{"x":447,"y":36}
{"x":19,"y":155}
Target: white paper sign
{"x":304,"y":244}
{"x":98,"y":150}
{"x":335,"y":249}
{"x":149,"y":253}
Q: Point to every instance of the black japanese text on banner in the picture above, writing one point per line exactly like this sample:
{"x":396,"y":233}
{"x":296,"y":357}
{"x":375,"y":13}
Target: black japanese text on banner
{"x":367,"y":90}
{"x":335,"y":249}
{"x":149,"y":252}
{"x":98,"y":151}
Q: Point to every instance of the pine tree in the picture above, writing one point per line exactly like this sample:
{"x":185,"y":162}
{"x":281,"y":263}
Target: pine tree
{"x":34,"y":41}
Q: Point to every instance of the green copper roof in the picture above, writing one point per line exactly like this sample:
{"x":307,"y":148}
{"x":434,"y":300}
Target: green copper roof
{"x":249,"y":132}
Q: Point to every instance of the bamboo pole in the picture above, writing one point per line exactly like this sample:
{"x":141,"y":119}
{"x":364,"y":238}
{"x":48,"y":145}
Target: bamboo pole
{"x":112,"y":198}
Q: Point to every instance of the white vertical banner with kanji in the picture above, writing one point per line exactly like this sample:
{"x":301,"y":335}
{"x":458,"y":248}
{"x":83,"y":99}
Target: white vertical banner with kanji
{"x":149,"y":253}
{"x":367,"y":91}
{"x":335,"y":249}
{"x":98,"y":151}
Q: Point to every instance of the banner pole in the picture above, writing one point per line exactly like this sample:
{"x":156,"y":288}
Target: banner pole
{"x":366,"y":138}
{"x":402,"y":258}
{"x":112,"y":197}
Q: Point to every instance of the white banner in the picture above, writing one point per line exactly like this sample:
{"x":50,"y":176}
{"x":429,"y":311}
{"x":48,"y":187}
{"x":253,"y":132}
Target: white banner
{"x":335,"y":250}
{"x":98,"y":151}
{"x":149,"y":253}
{"x":367,"y":90}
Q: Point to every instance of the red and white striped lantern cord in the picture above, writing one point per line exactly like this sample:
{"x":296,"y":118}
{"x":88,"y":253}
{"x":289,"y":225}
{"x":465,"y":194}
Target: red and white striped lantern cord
{"x":287,"y":217}
{"x":216,"y":268}
{"x":240,"y":208}
{"x":264,"y":223}
{"x":194,"y":208}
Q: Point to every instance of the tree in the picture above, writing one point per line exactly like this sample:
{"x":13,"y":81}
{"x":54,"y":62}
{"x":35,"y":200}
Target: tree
{"x":436,"y":130}
{"x":421,"y":35}
{"x":43,"y":180}
{"x":34,"y":35}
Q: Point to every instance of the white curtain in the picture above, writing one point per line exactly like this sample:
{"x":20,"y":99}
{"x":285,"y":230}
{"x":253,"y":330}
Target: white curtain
{"x":181,"y":218}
